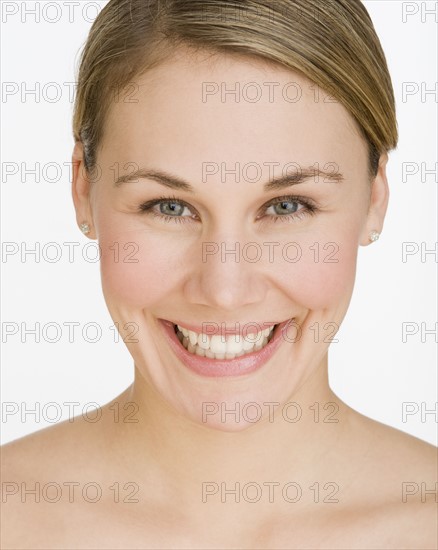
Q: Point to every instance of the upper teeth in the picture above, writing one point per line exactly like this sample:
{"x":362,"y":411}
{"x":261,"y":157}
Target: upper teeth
{"x":232,"y":344}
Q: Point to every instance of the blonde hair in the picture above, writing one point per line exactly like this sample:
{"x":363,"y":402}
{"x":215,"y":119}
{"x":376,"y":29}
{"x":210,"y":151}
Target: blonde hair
{"x":331,"y":42}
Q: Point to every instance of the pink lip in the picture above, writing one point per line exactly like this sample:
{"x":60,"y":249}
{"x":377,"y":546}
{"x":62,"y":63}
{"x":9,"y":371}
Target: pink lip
{"x":239,"y":366}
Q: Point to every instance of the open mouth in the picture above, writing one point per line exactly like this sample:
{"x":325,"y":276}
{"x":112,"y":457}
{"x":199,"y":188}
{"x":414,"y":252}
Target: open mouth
{"x":224,"y":354}
{"x":220,"y":346}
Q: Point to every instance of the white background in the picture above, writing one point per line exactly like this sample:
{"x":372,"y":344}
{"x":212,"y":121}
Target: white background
{"x":371,"y":368}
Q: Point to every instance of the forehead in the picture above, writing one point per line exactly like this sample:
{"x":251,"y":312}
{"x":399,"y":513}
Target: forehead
{"x":198,"y":107}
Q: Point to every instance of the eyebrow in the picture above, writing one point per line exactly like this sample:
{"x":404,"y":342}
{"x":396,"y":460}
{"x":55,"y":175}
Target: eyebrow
{"x":174,"y":182}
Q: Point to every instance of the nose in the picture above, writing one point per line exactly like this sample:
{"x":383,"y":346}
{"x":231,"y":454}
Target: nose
{"x":227,"y":277}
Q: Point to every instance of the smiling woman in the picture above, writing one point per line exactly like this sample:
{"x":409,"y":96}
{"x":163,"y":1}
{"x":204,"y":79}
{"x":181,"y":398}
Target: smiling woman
{"x":240,"y":150}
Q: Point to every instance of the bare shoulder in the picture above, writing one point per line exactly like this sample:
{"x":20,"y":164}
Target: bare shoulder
{"x":397,"y":485}
{"x":43,"y":474}
{"x":74,"y":444}
{"x":49,"y":449}
{"x":395,"y":451}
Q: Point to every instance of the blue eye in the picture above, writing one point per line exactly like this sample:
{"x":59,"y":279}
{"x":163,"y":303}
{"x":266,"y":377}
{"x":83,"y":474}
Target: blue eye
{"x":285,"y":207}
{"x":289,"y":209}
{"x":167,"y":207}
{"x":171,"y":209}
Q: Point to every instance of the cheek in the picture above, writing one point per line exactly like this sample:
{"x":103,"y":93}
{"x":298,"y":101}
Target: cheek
{"x":322,"y":277}
{"x":139,"y":269}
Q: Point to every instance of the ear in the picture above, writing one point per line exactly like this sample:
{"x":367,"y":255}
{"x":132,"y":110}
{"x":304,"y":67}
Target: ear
{"x":378,"y":205}
{"x":81,"y":188}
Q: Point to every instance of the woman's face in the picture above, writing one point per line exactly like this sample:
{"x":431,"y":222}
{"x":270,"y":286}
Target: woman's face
{"x":226,"y":252}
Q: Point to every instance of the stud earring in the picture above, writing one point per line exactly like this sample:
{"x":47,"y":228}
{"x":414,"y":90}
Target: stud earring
{"x":85,"y":228}
{"x":374,"y":236}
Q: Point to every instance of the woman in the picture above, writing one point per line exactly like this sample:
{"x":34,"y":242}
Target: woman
{"x":230,"y":159}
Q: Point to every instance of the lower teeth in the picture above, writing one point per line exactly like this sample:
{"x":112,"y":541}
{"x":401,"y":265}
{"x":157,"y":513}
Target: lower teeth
{"x":196,"y":350}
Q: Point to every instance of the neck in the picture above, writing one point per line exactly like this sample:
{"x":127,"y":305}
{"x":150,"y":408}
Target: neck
{"x":295,"y":440}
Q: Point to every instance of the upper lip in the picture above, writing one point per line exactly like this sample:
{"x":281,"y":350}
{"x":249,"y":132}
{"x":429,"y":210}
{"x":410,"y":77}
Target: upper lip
{"x":213,"y":327}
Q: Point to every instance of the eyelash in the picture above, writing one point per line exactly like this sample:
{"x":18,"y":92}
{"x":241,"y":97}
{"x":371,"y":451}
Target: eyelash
{"x":310,"y":209}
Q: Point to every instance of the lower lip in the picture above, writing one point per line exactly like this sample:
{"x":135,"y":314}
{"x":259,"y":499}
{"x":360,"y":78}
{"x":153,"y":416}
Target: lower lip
{"x":239,"y":366}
